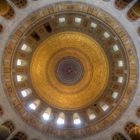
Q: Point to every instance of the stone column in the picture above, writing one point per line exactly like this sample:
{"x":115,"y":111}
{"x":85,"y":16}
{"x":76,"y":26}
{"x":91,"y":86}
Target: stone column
{"x":121,"y":4}
{"x":119,"y":136}
{"x":134,"y":12}
{"x":6,"y":10}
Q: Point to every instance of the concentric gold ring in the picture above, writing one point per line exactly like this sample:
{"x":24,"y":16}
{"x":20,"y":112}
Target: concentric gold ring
{"x":52,"y":50}
{"x":85,"y":61}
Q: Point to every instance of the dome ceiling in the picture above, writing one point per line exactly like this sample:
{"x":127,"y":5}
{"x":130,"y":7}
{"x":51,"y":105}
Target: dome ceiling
{"x":69,"y":69}
{"x":70,"y":66}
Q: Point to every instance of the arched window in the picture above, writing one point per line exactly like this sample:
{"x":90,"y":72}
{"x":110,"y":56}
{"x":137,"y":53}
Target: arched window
{"x":91,"y":114}
{"x":26,"y":92}
{"x":47,"y":114}
{"x":104,"y":106}
{"x":78,"y":20}
{"x":34,"y":105}
{"x":61,"y":119}
{"x":115,"y":94}
{"x":21,"y":62}
{"x":21,"y":78}
{"x":25,"y":48}
{"x":76,"y":119}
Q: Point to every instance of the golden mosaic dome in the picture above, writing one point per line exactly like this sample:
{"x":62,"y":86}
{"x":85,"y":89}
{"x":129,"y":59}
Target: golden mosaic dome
{"x":70,"y":69}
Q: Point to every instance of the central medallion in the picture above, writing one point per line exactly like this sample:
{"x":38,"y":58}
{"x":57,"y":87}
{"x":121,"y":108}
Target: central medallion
{"x":69,"y":70}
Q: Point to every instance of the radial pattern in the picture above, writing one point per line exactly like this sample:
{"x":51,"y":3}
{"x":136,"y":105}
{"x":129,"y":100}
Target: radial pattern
{"x":70,"y":66}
